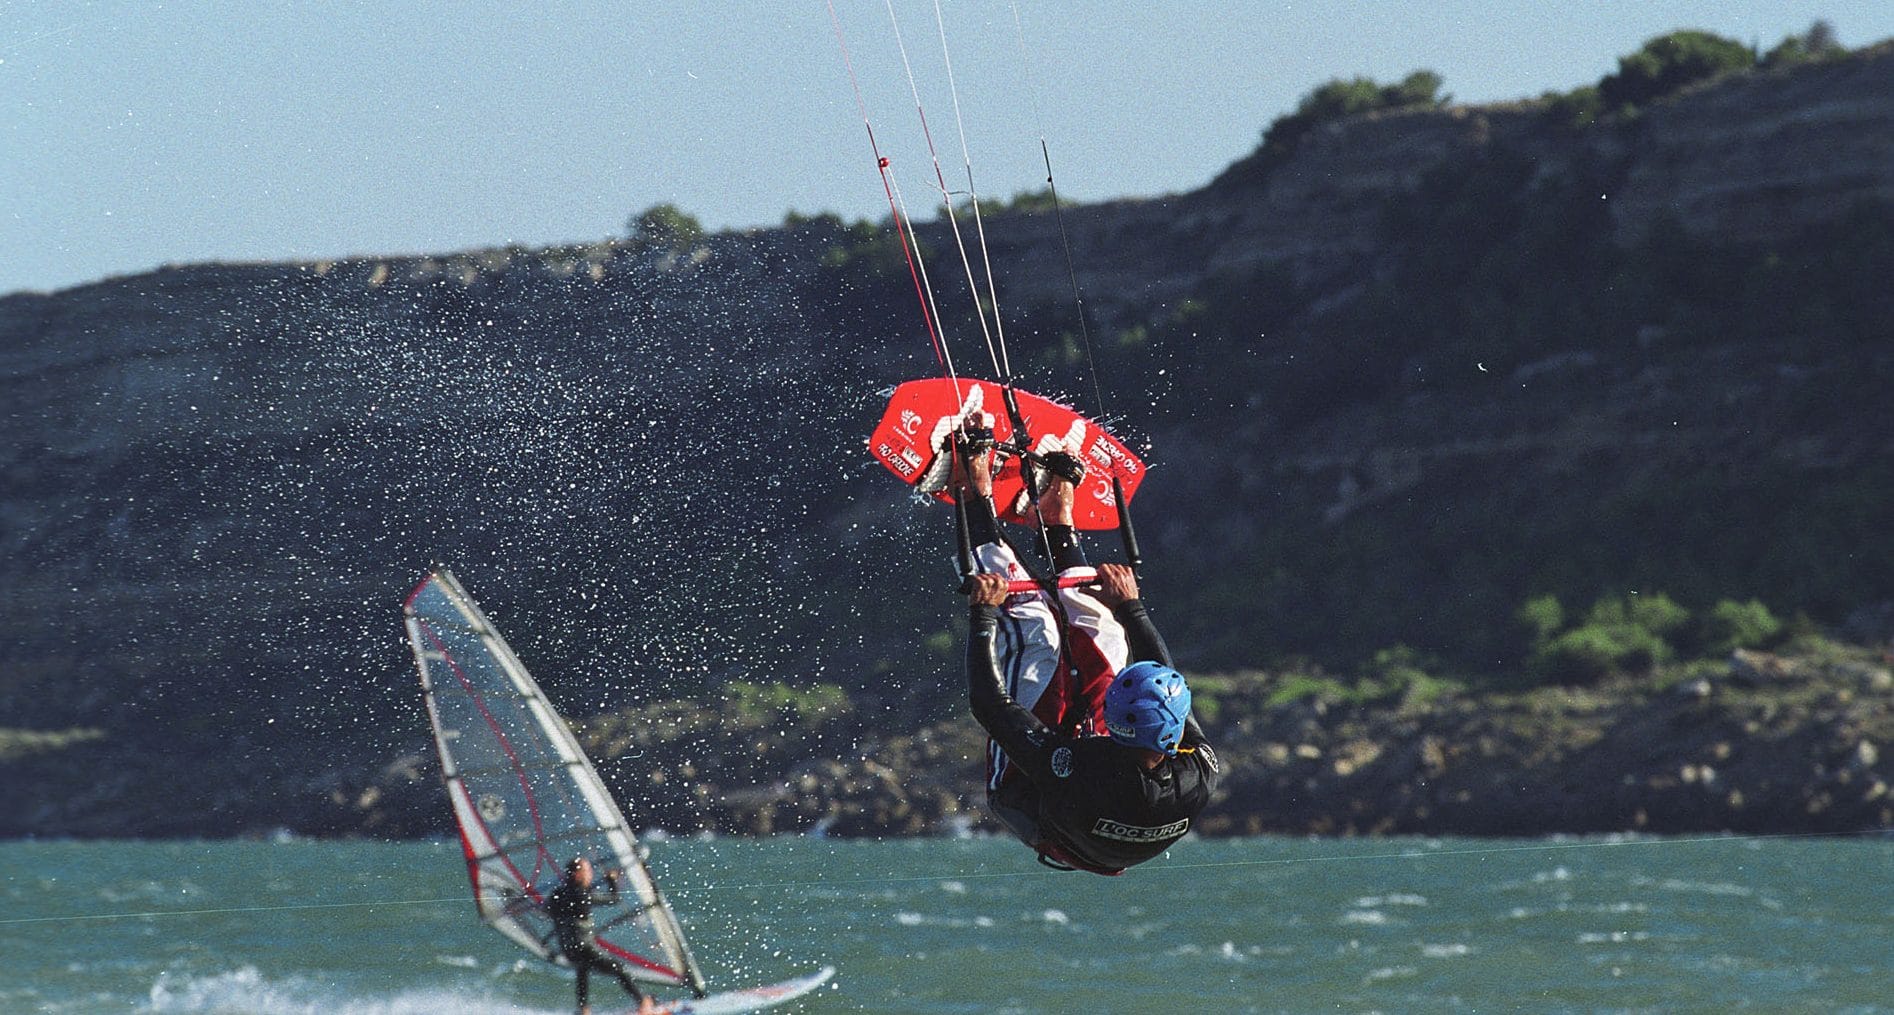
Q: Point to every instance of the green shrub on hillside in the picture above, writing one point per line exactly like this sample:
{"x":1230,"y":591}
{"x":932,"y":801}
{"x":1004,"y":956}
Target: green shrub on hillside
{"x":1402,"y":672}
{"x":1394,"y":674}
{"x":666,"y":227}
{"x":1542,"y":617}
{"x":1731,"y":625}
{"x":1591,"y":653}
{"x":1656,"y":613}
{"x":794,"y":220}
{"x":1633,"y":634}
{"x":1668,"y":64}
{"x":16,"y":744}
{"x":1298,"y":687}
{"x":1818,"y":43}
{"x":1580,"y":107}
{"x":864,"y":251}
{"x":747,"y":705}
{"x":1335,"y":100}
{"x":1023,"y":202}
{"x":1620,"y":635}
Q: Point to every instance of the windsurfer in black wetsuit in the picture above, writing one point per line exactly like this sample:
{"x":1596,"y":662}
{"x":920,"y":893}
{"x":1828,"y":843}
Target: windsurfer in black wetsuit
{"x":570,"y":906}
{"x":1044,"y":674}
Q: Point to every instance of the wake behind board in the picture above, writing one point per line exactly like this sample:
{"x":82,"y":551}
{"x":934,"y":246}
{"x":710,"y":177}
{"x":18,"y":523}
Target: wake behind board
{"x":921,"y":414}
{"x":753,"y":999}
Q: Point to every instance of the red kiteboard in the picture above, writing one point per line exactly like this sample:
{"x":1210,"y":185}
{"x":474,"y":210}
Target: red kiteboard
{"x":922,"y":413}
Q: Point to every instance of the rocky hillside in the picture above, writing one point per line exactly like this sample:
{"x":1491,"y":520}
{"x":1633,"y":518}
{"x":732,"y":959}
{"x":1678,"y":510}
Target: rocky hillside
{"x":1433,"y":364}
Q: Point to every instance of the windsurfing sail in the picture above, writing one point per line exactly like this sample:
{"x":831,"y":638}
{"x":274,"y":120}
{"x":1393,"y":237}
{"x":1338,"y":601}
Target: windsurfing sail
{"x":525,"y":796}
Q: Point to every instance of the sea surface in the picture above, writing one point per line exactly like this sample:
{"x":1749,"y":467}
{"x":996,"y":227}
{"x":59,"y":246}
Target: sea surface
{"x":972,"y":925}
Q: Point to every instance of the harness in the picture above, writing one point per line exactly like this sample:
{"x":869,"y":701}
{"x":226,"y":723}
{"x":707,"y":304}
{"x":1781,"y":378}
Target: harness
{"x":1055,"y":855}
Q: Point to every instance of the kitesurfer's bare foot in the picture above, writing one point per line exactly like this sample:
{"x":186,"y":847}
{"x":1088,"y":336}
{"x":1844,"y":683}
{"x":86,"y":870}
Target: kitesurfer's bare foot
{"x":973,"y":457}
{"x":1057,"y":473}
{"x":1055,"y":504}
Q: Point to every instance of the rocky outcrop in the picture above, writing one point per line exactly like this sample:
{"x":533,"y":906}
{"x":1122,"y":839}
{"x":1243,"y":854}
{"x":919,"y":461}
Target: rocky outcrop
{"x":1766,"y":743}
{"x":1761,"y":155}
{"x":1754,"y":157}
{"x":1796,"y":743}
{"x":216,"y":481}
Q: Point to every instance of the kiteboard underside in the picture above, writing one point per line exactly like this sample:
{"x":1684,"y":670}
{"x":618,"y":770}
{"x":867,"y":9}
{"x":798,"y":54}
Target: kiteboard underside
{"x":922,"y":413}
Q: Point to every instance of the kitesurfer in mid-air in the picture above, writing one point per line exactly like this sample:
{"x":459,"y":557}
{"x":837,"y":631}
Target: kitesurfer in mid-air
{"x":1095,"y":760}
{"x":570,"y":906}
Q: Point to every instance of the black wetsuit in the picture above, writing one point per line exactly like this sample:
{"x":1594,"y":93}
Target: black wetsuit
{"x":1089,"y":795}
{"x":571,"y":910}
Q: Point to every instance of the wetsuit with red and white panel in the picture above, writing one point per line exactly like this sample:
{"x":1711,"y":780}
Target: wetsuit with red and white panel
{"x":1037,"y":670}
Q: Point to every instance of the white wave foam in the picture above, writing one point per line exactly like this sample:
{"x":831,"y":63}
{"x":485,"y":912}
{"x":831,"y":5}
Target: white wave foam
{"x":1696,"y":887}
{"x":1397,"y":899}
{"x":911,"y":919}
{"x":1229,"y":952}
{"x":246,"y":991}
{"x":1613,"y":937}
{"x":1391,"y":973}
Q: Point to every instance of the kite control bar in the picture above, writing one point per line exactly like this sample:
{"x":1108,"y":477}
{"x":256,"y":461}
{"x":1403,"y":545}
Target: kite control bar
{"x":1075,"y":581}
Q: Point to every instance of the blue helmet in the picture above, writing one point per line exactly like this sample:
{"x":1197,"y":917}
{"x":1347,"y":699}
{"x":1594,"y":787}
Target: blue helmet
{"x":1146,"y":706}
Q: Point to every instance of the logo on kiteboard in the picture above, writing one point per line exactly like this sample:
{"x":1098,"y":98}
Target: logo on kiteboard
{"x":905,"y":461}
{"x":1062,"y":762}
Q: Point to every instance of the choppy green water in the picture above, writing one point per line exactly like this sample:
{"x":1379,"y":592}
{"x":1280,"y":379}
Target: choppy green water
{"x":1257,"y":925}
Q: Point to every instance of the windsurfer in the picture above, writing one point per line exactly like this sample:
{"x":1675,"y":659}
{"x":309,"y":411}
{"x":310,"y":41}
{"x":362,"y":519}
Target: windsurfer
{"x":1095,"y":760}
{"x":570,"y":906}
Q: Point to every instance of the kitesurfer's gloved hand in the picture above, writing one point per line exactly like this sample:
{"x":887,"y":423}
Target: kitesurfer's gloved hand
{"x":1117,"y":584}
{"x":987,"y":590}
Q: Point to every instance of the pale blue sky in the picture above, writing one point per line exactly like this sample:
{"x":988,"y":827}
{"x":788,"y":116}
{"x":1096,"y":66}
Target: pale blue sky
{"x":134,"y":134}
